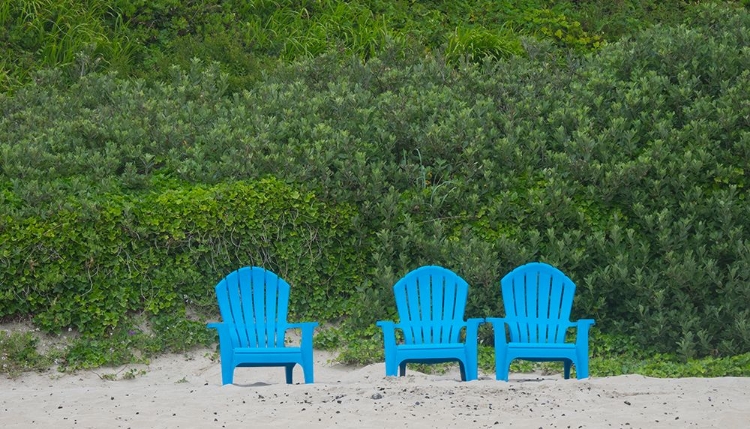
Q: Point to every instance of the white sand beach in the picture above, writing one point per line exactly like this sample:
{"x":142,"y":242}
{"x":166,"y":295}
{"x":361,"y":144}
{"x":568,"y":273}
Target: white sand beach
{"x":185,"y":391}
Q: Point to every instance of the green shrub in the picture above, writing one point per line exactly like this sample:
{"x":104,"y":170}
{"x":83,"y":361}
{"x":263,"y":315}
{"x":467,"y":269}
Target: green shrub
{"x":624,"y":168}
{"x":561,"y":29}
{"x":135,"y":340}
{"x":90,"y":264}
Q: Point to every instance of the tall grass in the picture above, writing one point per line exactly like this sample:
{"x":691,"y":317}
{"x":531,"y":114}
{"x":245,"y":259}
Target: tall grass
{"x":304,"y":32}
{"x":248,"y":37}
{"x":72,"y":34}
{"x":144,"y":38}
{"x":479,"y":43}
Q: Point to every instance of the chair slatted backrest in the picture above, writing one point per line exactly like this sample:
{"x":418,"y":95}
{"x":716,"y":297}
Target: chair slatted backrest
{"x":255,"y":301}
{"x":538,"y":299}
{"x":431,"y":302}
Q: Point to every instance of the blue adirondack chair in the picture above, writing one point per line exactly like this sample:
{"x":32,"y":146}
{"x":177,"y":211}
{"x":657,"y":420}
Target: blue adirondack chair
{"x":538,"y":298}
{"x":253,"y":305}
{"x":430,"y":302}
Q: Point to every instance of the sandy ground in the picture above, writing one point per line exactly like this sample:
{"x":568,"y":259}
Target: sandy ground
{"x":185,"y":391}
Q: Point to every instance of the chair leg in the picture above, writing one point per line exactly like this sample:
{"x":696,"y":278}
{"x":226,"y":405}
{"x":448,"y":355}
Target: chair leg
{"x":227,"y":373}
{"x":472,"y":366}
{"x":289,"y":373}
{"x":462,"y":368}
{"x":391,"y":367}
{"x":566,"y":368}
{"x":503,"y":372}
{"x":502,"y":364}
{"x":402,"y":368}
{"x":308,"y":371}
{"x":582,"y":363}
{"x":308,"y":367}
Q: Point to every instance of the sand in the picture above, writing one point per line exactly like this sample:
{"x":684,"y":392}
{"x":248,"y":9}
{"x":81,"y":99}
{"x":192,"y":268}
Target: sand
{"x":185,"y":391}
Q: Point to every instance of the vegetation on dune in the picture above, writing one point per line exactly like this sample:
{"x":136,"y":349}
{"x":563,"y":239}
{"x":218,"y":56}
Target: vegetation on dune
{"x":140,"y":38}
{"x":342,"y":144}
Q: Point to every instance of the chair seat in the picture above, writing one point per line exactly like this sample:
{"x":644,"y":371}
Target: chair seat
{"x":541,"y":346}
{"x":270,"y":350}
{"x":431,"y":346}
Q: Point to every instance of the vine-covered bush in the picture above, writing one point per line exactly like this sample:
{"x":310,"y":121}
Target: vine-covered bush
{"x":93,"y":261}
{"x":627,"y":169}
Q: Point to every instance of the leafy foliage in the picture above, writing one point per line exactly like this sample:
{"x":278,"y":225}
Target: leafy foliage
{"x":624,"y":167}
{"x":92,"y":262}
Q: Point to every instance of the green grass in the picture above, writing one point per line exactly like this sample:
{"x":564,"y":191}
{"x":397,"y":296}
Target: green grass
{"x":19,"y":354}
{"x":133,"y":343}
{"x":143,"y":39}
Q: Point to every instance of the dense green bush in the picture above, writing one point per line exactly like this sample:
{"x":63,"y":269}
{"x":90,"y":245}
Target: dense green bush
{"x":92,"y":262}
{"x":626,"y":168}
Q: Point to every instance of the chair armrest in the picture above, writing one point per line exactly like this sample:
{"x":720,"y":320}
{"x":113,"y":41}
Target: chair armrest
{"x":472,"y":329}
{"x":582,"y":334}
{"x":388,"y":326}
{"x":476,"y":321}
{"x":498,"y":326}
{"x":221,"y":327}
{"x":389,"y":334}
{"x":495,"y":321}
{"x":308,"y":330}
{"x":305,"y":326}
{"x":225,"y":336}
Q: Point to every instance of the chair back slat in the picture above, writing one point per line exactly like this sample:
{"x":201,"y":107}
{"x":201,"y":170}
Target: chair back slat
{"x":431,"y":302}
{"x":255,"y":301}
{"x":538,"y":299}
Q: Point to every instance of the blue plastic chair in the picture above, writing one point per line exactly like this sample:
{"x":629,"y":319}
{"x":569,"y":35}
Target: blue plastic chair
{"x":538,"y":298}
{"x":253,"y":304}
{"x":430,"y":302}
